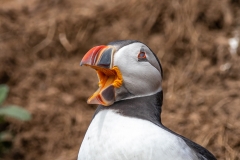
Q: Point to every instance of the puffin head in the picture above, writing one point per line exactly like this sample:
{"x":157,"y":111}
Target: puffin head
{"x":126,"y":69}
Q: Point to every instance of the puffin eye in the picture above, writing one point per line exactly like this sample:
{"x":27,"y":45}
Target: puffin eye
{"x":142,"y":55}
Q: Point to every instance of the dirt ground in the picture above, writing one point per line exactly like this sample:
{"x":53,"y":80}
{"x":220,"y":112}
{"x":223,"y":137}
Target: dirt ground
{"x":42,"y":43}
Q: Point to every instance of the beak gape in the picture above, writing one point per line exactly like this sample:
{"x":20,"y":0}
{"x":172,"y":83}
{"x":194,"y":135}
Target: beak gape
{"x":100,"y":58}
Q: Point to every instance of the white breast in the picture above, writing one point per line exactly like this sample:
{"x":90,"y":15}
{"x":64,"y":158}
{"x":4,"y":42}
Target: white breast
{"x":112,"y":136}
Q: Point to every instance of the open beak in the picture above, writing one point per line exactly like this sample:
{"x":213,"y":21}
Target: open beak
{"x":100,"y":58}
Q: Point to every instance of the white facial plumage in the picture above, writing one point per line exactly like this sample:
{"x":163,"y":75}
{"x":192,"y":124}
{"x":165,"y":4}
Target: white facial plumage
{"x":140,"y":78}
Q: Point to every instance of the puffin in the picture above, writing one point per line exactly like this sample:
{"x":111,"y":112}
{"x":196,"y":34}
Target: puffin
{"x":127,"y":122}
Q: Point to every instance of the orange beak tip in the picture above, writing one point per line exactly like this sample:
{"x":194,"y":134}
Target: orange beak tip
{"x":90,"y":56}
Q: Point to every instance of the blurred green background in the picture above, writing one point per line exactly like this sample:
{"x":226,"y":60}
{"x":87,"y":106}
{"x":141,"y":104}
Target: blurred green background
{"x":42,"y":43}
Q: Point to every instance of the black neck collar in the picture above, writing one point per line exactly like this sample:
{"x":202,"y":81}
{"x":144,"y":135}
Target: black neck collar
{"x":147,"y":108}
